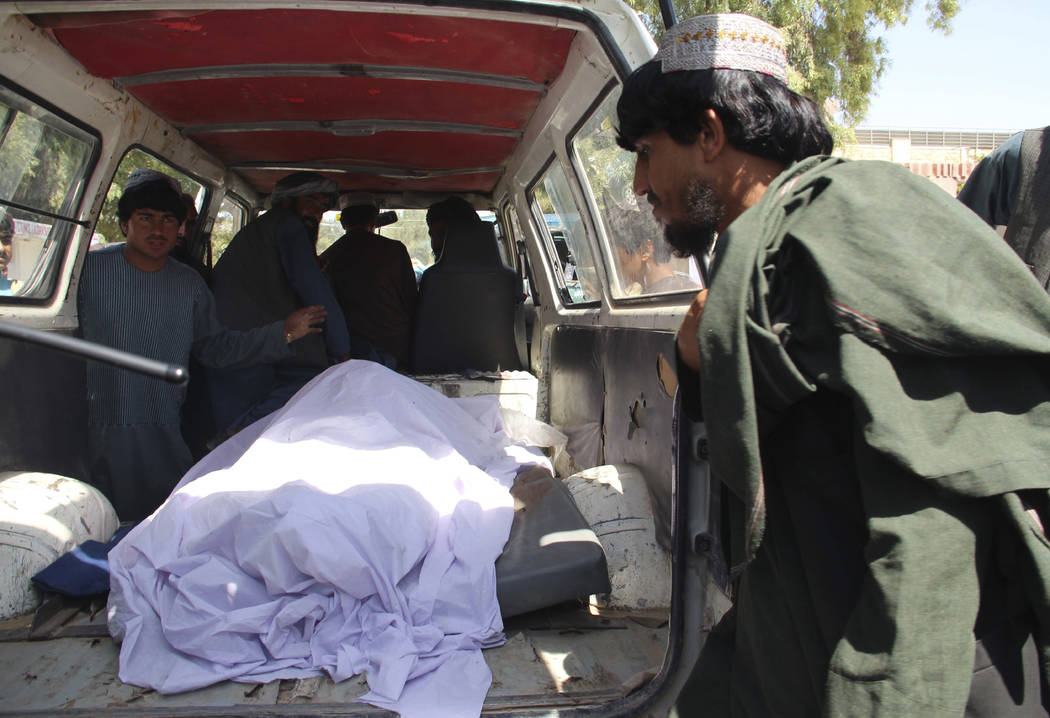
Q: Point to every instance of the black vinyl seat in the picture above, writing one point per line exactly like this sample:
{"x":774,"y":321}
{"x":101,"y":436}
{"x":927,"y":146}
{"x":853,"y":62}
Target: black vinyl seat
{"x":552,"y":554}
{"x":468,"y":302}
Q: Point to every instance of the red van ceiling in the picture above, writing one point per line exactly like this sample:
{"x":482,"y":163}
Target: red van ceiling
{"x":419,"y":100}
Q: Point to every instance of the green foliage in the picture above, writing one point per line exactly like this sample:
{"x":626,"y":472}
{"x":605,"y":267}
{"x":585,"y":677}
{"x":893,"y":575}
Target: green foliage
{"x":41,"y":163}
{"x":835,"y":51}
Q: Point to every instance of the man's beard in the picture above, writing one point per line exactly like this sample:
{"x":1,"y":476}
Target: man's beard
{"x":695,"y":236}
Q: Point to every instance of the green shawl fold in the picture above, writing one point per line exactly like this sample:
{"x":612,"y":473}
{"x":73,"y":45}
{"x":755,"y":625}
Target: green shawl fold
{"x":861,"y":279}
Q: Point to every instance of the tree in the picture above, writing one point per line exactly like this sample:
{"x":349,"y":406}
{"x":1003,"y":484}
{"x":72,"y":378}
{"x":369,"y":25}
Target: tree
{"x":834,"y":48}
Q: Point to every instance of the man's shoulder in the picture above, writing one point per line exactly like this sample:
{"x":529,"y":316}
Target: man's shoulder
{"x":105,"y":260}
{"x":864,"y":181}
{"x":105,"y":253}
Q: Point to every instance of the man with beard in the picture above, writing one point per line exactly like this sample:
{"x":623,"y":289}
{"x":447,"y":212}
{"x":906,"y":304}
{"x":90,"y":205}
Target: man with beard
{"x":269,"y":269}
{"x":870,"y":361}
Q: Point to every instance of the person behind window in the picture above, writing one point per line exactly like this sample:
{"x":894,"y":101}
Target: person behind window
{"x":132,"y":298}
{"x":7,"y":237}
{"x":271,"y":268}
{"x":375,"y":284}
{"x":645,"y":265}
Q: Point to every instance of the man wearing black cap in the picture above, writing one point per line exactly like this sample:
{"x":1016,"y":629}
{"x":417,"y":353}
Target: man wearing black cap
{"x":270,"y":268}
{"x":133,"y":298}
{"x":373,"y":279}
{"x":870,"y":361}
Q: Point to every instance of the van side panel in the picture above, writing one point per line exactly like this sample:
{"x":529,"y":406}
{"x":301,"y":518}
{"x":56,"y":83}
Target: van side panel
{"x":43,"y":414}
{"x":606,"y":396}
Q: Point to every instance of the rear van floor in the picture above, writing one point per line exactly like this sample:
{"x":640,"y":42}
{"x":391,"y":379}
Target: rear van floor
{"x":557,"y":657}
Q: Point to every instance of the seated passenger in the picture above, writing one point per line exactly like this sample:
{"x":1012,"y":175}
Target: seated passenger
{"x":441,"y":213}
{"x":132,"y":298}
{"x":269,"y":269}
{"x":374,"y":282}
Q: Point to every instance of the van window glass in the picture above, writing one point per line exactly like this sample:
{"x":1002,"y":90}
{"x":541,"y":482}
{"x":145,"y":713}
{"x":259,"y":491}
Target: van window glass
{"x":44,"y":160}
{"x":642,"y":261}
{"x":231,"y":217}
{"x":521,"y":261}
{"x":577,"y":273}
{"x":107,"y":229}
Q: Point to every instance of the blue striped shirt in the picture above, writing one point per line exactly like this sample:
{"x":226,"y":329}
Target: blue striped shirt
{"x":168,"y":315}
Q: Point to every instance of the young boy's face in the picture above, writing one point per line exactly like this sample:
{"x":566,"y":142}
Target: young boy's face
{"x":150,"y":234}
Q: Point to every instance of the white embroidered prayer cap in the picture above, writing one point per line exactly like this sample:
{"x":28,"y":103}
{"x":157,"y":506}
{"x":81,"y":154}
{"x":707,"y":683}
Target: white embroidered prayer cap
{"x":726,"y":41}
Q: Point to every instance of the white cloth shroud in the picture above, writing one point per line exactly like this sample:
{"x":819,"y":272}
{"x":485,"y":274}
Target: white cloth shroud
{"x":353,"y":531}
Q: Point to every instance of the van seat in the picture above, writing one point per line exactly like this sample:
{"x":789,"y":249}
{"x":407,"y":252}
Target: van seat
{"x":552,"y":555}
{"x":468,"y":303}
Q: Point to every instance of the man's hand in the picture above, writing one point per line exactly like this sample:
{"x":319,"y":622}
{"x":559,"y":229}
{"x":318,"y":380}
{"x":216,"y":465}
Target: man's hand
{"x":688,"y":346}
{"x":303,"y":321}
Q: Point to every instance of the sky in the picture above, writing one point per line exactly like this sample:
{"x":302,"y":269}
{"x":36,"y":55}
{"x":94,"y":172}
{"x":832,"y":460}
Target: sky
{"x":990,"y":73}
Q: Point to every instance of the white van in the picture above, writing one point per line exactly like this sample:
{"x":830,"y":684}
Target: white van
{"x":509,"y":104}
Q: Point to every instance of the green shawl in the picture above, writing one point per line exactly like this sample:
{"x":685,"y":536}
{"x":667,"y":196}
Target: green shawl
{"x":939,"y":336}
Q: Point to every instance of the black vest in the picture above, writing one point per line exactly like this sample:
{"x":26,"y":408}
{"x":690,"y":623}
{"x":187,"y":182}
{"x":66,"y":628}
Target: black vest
{"x":1029,"y":229}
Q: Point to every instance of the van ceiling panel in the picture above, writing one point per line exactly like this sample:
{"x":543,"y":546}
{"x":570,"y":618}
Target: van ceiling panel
{"x":480,"y":183}
{"x":233,"y":72}
{"x":312,"y":98}
{"x":421,"y":150}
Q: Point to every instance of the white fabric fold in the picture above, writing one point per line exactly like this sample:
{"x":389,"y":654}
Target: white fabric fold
{"x":354,"y":531}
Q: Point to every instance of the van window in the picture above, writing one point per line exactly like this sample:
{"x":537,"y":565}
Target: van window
{"x":577,"y":278}
{"x":231,"y":217}
{"x":107,"y":229}
{"x":44,"y":160}
{"x":642,"y":261}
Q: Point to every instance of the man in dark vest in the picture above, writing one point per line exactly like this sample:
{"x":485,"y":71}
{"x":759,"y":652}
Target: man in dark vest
{"x":373,"y":279}
{"x":1011,"y":188}
{"x":269,"y":269}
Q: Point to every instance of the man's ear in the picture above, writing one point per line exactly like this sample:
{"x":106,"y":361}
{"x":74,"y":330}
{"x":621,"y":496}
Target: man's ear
{"x":712,"y":137}
{"x":123,"y":228}
{"x":646,"y":250}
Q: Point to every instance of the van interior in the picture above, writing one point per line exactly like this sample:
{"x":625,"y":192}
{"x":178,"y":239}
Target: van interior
{"x":510,"y":105}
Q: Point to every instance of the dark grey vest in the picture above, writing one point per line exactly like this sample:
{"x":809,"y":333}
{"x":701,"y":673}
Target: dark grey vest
{"x":1029,"y":229}
{"x":251,"y":288}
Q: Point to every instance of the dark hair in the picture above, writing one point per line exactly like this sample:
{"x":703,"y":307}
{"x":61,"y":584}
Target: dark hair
{"x":760,"y":114}
{"x":452,"y":208}
{"x":358,"y":215}
{"x":7,"y":225}
{"x":154,"y":194}
{"x":631,"y":227}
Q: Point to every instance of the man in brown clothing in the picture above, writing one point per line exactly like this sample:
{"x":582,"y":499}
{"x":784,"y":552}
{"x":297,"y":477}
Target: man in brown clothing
{"x":373,"y":280}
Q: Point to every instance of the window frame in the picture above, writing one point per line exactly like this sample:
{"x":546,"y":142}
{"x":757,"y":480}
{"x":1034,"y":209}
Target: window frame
{"x":246,"y":217}
{"x":551,"y":252}
{"x":605,"y":244}
{"x":64,"y":245}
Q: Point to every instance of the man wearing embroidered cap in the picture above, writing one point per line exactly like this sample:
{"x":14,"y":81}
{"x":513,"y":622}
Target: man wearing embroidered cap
{"x":269,"y":268}
{"x":870,"y":363}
